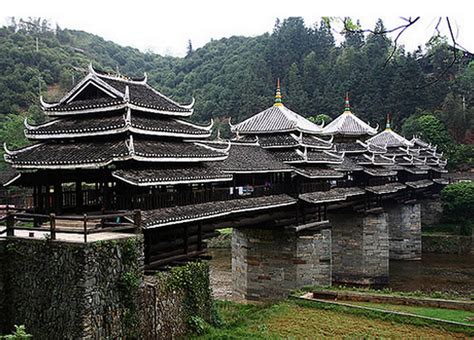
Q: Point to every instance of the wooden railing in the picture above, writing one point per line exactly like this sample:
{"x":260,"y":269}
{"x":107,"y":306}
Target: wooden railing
{"x":83,"y":225}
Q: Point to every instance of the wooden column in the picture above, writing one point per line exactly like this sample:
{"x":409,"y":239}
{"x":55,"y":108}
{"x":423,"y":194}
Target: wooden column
{"x":58,"y":197}
{"x":79,"y":197}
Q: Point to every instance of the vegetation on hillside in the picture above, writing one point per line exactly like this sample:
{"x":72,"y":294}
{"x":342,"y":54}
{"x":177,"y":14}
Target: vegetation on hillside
{"x":235,"y":77}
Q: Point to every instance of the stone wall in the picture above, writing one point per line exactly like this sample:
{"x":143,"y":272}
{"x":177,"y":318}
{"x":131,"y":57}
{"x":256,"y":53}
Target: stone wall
{"x":62,"y":290}
{"x":268,"y":264}
{"x":431,"y":211}
{"x":360,"y":247}
{"x":404,"y":223}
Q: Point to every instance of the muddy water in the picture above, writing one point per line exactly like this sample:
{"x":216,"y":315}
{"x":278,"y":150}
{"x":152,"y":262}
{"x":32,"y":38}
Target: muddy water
{"x":435,"y":272}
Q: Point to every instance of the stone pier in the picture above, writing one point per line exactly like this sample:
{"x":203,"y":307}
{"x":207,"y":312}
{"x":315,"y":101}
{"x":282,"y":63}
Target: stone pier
{"x":404,"y":222}
{"x":360,"y":247}
{"x":431,"y":210}
{"x":268,"y":264}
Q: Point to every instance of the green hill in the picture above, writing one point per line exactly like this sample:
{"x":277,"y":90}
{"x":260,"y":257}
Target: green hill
{"x":235,"y":77}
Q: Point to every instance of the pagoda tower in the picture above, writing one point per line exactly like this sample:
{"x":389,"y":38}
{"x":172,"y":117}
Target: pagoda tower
{"x":114,"y":143}
{"x":292,"y":139}
{"x":415,"y":160}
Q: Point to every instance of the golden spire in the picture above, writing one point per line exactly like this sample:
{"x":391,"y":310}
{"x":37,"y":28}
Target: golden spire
{"x":278,"y":95}
{"x":387,"y":127}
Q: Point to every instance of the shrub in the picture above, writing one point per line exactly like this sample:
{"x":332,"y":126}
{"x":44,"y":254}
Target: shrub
{"x":18,"y":334}
{"x":458,"y":202}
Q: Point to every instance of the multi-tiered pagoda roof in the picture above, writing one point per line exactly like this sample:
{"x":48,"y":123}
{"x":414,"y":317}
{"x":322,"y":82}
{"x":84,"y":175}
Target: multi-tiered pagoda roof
{"x":114,"y":121}
{"x":413,"y":156}
{"x":291,"y":138}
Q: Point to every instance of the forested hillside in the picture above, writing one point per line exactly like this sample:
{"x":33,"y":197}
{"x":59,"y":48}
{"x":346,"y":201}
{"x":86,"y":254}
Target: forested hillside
{"x":235,"y":77}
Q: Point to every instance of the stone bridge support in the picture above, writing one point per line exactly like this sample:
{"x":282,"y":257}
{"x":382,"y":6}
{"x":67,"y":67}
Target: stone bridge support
{"x":360,"y":247}
{"x":404,"y":222}
{"x":268,"y":263}
{"x":431,"y":210}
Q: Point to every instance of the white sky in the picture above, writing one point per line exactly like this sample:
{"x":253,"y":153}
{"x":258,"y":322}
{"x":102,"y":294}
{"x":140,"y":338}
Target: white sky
{"x":165,"y":26}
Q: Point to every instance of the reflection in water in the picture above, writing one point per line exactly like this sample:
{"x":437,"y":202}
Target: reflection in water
{"x":435,"y":272}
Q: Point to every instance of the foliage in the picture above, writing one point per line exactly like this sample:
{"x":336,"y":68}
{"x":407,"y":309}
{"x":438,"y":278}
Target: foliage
{"x":129,"y":284}
{"x":235,"y":77}
{"x":320,"y":119}
{"x":18,"y":334}
{"x":307,"y":320}
{"x":429,"y":128}
{"x":193,"y":280}
{"x":458,"y":202}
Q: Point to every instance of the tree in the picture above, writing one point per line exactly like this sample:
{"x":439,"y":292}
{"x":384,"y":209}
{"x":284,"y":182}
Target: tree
{"x":320,"y":119}
{"x":189,"y":50}
{"x":430,"y":129}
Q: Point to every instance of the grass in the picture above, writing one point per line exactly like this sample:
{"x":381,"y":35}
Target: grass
{"x":388,"y":291}
{"x":439,"y":313}
{"x":295,"y":319}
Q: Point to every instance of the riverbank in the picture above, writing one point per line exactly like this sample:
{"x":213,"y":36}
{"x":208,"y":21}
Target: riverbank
{"x":308,"y":320}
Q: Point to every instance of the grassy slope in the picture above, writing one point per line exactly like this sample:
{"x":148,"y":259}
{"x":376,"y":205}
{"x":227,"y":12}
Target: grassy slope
{"x":444,"y":314}
{"x":294,"y":319}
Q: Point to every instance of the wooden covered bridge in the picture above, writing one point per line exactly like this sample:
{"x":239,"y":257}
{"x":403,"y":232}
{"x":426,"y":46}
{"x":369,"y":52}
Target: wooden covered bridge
{"x":309,"y":204}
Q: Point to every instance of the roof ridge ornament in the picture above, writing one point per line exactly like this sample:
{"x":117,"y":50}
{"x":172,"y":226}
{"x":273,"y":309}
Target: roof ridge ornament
{"x":46,"y":105}
{"x":128,"y":117}
{"x":190,"y":105}
{"x":130,"y":146}
{"x":278,"y":101}
{"x":126,"y":96}
{"x":91,"y":69}
{"x":7,"y":152}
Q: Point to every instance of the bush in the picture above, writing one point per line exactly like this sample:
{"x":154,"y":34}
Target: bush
{"x":19,"y":334}
{"x":458,"y":202}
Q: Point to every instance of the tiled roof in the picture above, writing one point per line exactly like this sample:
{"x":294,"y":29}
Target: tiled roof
{"x":347,"y":165}
{"x":419,"y":184}
{"x":322,"y":157}
{"x":379,"y":171}
{"x":276,"y":119}
{"x":389,"y":138}
{"x":289,"y":155}
{"x":442,"y":181}
{"x":117,"y":90}
{"x":350,"y":147}
{"x":333,"y":195}
{"x":250,"y":158}
{"x":210,"y":210}
{"x":318,"y":172}
{"x":169,"y":174}
{"x":73,"y":154}
{"x":385,"y":188}
{"x":348,"y":124}
{"x":277,"y":140}
{"x":7,"y":174}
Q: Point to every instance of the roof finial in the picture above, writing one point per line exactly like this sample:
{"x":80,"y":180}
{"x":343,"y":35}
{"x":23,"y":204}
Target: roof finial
{"x":278,"y":95}
{"x":387,"y":127}
{"x":347,"y":105}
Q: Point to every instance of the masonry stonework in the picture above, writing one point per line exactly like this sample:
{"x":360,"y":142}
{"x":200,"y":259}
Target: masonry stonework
{"x":360,"y":247}
{"x":431,"y":211}
{"x":268,"y":264}
{"x":62,"y":290}
{"x":404,"y":221}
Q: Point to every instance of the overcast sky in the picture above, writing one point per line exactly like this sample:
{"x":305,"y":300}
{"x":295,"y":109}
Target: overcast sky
{"x":166,"y":26}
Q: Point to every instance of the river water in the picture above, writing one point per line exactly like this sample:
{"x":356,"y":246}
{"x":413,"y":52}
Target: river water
{"x":435,"y":272}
